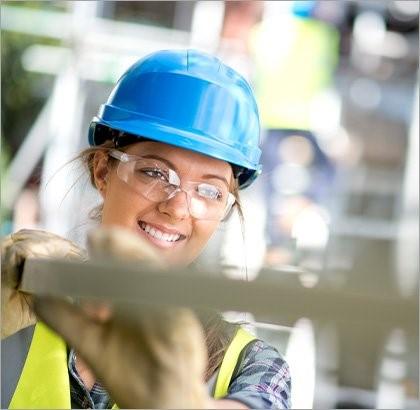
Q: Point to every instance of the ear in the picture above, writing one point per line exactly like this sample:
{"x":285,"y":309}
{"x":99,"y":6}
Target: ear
{"x":100,"y":171}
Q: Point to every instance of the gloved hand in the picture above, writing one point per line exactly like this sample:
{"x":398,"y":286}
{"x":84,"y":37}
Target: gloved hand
{"x":116,"y":243}
{"x":16,"y":312}
{"x":121,"y":244}
{"x":145,"y":357}
{"x":149,"y":358}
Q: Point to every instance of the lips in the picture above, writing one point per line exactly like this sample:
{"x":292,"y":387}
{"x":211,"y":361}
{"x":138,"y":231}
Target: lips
{"x":160,"y":233}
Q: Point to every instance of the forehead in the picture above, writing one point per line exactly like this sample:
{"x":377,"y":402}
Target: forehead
{"x":181,"y":158}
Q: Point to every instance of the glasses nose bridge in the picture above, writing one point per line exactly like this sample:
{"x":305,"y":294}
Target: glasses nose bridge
{"x":177,"y":190}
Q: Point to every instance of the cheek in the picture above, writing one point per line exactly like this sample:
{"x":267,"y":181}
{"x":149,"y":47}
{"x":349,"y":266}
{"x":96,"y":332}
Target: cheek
{"x":121,"y":204}
{"x":201,"y":234}
{"x":204,"y":231}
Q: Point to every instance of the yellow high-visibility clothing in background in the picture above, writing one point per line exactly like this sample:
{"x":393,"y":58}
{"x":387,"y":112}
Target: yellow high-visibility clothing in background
{"x":294,"y":61}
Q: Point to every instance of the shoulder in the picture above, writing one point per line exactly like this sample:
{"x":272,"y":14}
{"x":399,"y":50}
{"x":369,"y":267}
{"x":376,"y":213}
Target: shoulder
{"x":261,"y":378}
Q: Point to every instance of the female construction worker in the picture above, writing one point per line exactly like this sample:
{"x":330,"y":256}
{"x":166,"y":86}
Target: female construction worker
{"x":176,"y":140}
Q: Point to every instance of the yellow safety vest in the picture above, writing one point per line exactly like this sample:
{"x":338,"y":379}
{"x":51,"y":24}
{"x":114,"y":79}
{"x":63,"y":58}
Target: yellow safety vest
{"x":44,"y":381}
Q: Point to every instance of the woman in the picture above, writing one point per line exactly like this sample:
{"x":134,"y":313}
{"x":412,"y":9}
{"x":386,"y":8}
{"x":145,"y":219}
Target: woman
{"x":176,"y":140}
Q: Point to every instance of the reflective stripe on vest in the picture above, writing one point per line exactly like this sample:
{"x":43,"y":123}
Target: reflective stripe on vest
{"x":44,"y":381}
{"x":230,"y":359}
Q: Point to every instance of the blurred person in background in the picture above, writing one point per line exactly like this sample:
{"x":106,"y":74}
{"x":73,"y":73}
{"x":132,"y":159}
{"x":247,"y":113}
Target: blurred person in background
{"x":288,"y":83}
{"x":171,"y":148}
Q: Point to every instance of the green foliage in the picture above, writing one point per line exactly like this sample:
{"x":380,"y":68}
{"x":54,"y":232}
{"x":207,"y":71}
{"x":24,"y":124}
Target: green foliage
{"x":44,"y":5}
{"x":22,"y":93}
{"x":5,"y":214}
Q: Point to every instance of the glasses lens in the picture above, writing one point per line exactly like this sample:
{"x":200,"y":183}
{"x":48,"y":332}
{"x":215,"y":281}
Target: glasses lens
{"x":149,"y":178}
{"x":210,"y":202}
{"x":156,"y":182}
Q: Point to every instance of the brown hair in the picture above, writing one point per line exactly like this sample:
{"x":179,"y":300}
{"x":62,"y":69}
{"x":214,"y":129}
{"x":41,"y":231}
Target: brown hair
{"x":218,"y":332}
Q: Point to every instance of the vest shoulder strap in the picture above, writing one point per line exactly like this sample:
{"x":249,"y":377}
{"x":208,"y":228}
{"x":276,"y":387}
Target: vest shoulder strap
{"x":241,"y":339}
{"x":44,"y":381}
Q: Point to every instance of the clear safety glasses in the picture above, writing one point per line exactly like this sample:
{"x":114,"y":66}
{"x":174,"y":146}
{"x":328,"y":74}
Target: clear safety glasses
{"x":153,"y":179}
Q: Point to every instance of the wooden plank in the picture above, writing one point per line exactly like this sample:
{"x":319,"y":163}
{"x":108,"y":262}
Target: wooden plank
{"x":268,"y":299}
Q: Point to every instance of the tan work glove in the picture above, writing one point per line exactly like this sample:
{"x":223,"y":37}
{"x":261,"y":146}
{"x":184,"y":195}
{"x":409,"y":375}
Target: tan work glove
{"x":16,"y":312}
{"x":121,"y":244}
{"x":145,"y":357}
{"x":152,"y":358}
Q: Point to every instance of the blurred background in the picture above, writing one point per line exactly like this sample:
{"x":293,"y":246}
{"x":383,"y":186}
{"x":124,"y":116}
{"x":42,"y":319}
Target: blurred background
{"x":337,"y":204}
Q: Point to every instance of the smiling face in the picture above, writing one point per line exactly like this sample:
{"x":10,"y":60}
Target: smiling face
{"x":168,"y":225}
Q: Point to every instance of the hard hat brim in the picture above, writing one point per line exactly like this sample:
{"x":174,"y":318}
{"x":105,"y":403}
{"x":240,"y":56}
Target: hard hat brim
{"x":191,"y":140}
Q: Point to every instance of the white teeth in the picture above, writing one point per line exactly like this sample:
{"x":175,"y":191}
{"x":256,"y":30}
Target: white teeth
{"x":159,"y":234}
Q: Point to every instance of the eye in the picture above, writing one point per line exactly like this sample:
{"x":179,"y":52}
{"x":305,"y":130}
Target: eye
{"x":154,"y":173}
{"x":210,"y":192}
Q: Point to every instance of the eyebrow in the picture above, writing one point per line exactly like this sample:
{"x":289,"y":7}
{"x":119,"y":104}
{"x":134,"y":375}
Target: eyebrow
{"x":223,"y":179}
{"x":171,"y":165}
{"x":167,"y":162}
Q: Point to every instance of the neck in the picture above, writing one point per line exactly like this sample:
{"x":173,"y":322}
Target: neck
{"x":84,"y":372}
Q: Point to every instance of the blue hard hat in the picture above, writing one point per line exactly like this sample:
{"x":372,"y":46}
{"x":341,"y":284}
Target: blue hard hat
{"x":303,"y":8}
{"x":189,"y":99}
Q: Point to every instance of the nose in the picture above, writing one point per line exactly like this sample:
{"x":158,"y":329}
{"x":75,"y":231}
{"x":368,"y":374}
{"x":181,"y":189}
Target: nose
{"x":176,"y":206}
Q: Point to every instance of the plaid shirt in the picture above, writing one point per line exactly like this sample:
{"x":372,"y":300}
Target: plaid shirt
{"x":81,"y":397}
{"x":261,"y":381}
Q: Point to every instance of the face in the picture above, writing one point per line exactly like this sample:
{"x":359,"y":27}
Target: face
{"x":123,"y":206}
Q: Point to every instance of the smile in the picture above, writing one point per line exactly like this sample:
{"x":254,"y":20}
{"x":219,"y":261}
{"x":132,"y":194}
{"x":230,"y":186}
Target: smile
{"x":157,"y":234}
